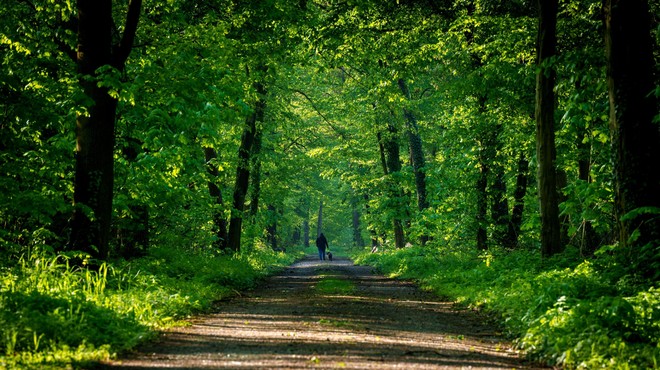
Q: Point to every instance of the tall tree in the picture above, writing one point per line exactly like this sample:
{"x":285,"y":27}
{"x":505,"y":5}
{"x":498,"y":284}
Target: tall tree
{"x":511,"y":240}
{"x":545,"y":127}
{"x":482,"y":194}
{"x":99,"y":58}
{"x":256,"y":174}
{"x":219,"y":221}
{"x":392,"y":169}
{"x":635,"y":135}
{"x":271,"y":228}
{"x":416,"y":154}
{"x":243,"y":169}
{"x":319,"y":220}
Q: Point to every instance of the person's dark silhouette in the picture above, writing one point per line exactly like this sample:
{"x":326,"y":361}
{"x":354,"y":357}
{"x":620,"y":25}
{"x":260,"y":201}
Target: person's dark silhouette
{"x":322,"y":244}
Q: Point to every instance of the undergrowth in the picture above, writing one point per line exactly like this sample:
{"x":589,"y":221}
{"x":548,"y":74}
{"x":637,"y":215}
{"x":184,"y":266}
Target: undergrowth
{"x":564,"y":311}
{"x":54,"y":315}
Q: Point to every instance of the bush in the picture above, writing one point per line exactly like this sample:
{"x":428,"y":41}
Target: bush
{"x":564,"y":310}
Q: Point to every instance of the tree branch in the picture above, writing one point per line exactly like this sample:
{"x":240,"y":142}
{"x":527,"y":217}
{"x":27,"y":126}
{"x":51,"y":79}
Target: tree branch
{"x":311,"y":102}
{"x":125,"y":46}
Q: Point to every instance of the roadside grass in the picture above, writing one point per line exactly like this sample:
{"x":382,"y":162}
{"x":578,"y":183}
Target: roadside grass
{"x":54,"y":315}
{"x":565,"y":311}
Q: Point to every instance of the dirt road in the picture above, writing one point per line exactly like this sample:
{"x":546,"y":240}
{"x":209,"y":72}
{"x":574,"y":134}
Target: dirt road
{"x":330,"y":315}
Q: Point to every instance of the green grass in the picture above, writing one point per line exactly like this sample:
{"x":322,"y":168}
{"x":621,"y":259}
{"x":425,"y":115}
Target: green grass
{"x":328,"y":285}
{"x":565,"y":311}
{"x":53,"y":315}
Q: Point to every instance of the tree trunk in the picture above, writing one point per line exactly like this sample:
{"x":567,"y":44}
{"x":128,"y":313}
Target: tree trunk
{"x":305,"y":223}
{"x":482,"y":203}
{"x":357,"y":232}
{"x":393,"y":161}
{"x":485,"y":156}
{"x":372,"y":231}
{"x":296,"y":236}
{"x":588,"y":240}
{"x":243,"y":171}
{"x":545,"y":127}
{"x":132,"y":230}
{"x":635,"y":137}
{"x":319,"y":220}
{"x":498,"y":193}
{"x":300,"y":211}
{"x":219,"y":221}
{"x":256,"y":174}
{"x":305,"y":228}
{"x":271,"y":229}
{"x":95,"y":137}
{"x":499,"y":205}
{"x":522,"y":179}
{"x":416,"y":156}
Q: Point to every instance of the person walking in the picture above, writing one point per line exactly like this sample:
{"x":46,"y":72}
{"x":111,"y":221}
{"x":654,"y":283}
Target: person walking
{"x":322,"y":244}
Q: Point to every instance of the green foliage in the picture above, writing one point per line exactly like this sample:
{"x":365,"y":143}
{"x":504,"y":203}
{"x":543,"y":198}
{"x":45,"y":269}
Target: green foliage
{"x":331,"y":75}
{"x":564,"y":311}
{"x":52,"y":314}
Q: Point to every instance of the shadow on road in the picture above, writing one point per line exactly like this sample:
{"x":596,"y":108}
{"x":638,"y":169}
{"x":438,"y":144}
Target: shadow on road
{"x":289,"y":324}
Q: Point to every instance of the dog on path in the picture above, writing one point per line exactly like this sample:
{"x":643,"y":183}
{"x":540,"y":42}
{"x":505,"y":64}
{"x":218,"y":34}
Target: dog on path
{"x":330,"y":256}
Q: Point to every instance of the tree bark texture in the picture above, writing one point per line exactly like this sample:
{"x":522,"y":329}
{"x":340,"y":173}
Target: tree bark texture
{"x":499,"y":209}
{"x":319,"y":220}
{"x":357,"y":232}
{"x":304,"y":213}
{"x":485,"y":157}
{"x":219,"y":221}
{"x":243,"y":170}
{"x":416,"y":155}
{"x":256,"y":174}
{"x":95,"y":137}
{"x":393,"y":161}
{"x":522,"y":179}
{"x":545,"y":127}
{"x":305,"y":228}
{"x":635,"y":137}
{"x":271,"y":229}
{"x":296,"y":235}
{"x":482,"y":203}
{"x":372,"y":231}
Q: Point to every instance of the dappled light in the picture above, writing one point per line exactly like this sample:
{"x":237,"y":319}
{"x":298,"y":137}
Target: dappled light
{"x":168,"y":162}
{"x":373,"y":328}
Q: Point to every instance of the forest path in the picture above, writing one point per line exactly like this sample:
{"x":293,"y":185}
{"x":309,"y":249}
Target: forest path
{"x":289,"y":322}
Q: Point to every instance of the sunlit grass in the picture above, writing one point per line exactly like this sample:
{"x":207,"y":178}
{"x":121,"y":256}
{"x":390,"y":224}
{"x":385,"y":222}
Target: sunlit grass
{"x":565,"y":311}
{"x":53,"y":314}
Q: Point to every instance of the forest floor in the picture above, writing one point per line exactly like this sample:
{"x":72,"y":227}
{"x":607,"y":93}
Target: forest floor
{"x":289,"y":323}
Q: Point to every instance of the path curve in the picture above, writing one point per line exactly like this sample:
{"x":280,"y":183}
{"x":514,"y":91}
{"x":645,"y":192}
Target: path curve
{"x":287,"y":323}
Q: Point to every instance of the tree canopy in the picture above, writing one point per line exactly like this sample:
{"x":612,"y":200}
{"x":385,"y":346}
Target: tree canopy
{"x":227,"y":125}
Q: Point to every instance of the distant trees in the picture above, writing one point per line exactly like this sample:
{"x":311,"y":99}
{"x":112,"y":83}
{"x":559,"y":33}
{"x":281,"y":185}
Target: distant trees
{"x":412,"y":121}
